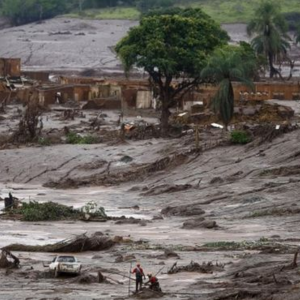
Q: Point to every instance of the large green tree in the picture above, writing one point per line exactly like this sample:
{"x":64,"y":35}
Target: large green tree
{"x":269,"y":29}
{"x":225,"y":66}
{"x":172,"y":47}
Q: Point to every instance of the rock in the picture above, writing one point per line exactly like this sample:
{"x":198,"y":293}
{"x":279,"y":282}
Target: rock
{"x":209,"y":224}
{"x":121,"y":258}
{"x":170,"y":253}
{"x":216,"y":180}
{"x":199,"y":223}
{"x":157,"y":217}
{"x":126,"y":159}
{"x":124,"y":220}
{"x":86,"y":279}
{"x":97,"y":257}
{"x":183,"y":211}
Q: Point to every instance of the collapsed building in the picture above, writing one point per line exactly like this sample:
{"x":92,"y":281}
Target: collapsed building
{"x":102,"y":93}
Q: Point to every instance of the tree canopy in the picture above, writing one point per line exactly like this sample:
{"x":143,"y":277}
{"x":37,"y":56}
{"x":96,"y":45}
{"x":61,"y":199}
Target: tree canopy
{"x":172,"y":48}
{"x":225,"y":66}
{"x":270,"y":33}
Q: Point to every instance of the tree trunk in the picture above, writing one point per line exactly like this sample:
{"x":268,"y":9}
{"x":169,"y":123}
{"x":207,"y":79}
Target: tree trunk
{"x":271,"y":65}
{"x":164,"y":120}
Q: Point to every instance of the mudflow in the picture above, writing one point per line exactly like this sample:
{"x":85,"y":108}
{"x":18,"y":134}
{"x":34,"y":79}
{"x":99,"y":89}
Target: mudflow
{"x":217,"y":224}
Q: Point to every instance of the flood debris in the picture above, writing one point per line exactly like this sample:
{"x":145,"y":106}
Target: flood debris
{"x":166,"y":188}
{"x":89,"y":279}
{"x":8,"y":260}
{"x":11,"y":202}
{"x":206,"y":268}
{"x":183,"y":210}
{"x":51,"y":211}
{"x":123,"y":220}
{"x":80,"y":243}
{"x":265,"y":133}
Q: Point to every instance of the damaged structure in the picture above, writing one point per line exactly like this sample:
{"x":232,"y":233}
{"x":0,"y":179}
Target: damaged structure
{"x":103,"y":93}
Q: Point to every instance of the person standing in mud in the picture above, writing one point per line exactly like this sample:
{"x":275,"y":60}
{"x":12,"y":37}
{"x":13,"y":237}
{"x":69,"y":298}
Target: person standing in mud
{"x":139,"y":274}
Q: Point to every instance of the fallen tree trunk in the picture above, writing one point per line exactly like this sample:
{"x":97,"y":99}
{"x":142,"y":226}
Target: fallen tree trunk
{"x":81,"y":243}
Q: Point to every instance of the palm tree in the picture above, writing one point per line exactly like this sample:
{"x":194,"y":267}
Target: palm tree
{"x":224,"y":67}
{"x":270,"y":33}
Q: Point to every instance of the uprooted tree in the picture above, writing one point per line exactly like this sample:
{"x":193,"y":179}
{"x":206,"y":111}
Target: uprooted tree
{"x":172,"y":47}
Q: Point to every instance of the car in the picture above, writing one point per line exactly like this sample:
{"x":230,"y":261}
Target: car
{"x":65,"y":264}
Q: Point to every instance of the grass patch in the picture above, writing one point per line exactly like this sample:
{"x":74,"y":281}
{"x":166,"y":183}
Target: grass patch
{"x":42,"y":141}
{"x":117,"y":13}
{"x":76,"y":139}
{"x":244,"y":245}
{"x":239,"y":137}
{"x":237,"y":11}
{"x":278,"y":212}
{"x":230,"y":11}
{"x":49,"y":211}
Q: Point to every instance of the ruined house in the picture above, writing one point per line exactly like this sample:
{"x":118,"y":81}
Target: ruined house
{"x":10,"y":67}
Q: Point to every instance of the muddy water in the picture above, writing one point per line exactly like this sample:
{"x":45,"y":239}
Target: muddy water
{"x":163,"y":233}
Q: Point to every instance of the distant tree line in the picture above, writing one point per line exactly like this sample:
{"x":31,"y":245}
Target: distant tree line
{"x":26,"y":11}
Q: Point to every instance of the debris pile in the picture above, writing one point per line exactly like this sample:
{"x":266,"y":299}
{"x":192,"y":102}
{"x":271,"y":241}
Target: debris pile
{"x":8,"y":260}
{"x":88,"y":279}
{"x":206,"y":268}
{"x":80,"y":243}
{"x":183,"y":210}
{"x":268,"y":132}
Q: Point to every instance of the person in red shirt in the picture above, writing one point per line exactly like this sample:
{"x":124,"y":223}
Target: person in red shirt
{"x":154,"y":284}
{"x":139,"y":274}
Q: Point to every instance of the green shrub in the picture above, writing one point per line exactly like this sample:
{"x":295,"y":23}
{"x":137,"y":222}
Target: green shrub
{"x":240,"y":137}
{"x":49,"y":211}
{"x":74,"y":138}
{"x":44,"y":141}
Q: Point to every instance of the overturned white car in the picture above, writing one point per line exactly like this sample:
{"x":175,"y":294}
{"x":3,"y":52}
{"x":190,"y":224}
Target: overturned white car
{"x":65,"y":264}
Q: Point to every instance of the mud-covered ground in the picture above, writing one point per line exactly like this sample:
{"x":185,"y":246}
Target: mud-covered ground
{"x":247,"y":195}
{"x":234,"y":206}
{"x":72,"y":45}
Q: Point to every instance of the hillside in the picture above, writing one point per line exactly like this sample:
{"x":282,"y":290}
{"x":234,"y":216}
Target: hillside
{"x":229,"y":11}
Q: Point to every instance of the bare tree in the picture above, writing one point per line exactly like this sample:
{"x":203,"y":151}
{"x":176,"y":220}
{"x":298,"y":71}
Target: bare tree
{"x":30,"y":125}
